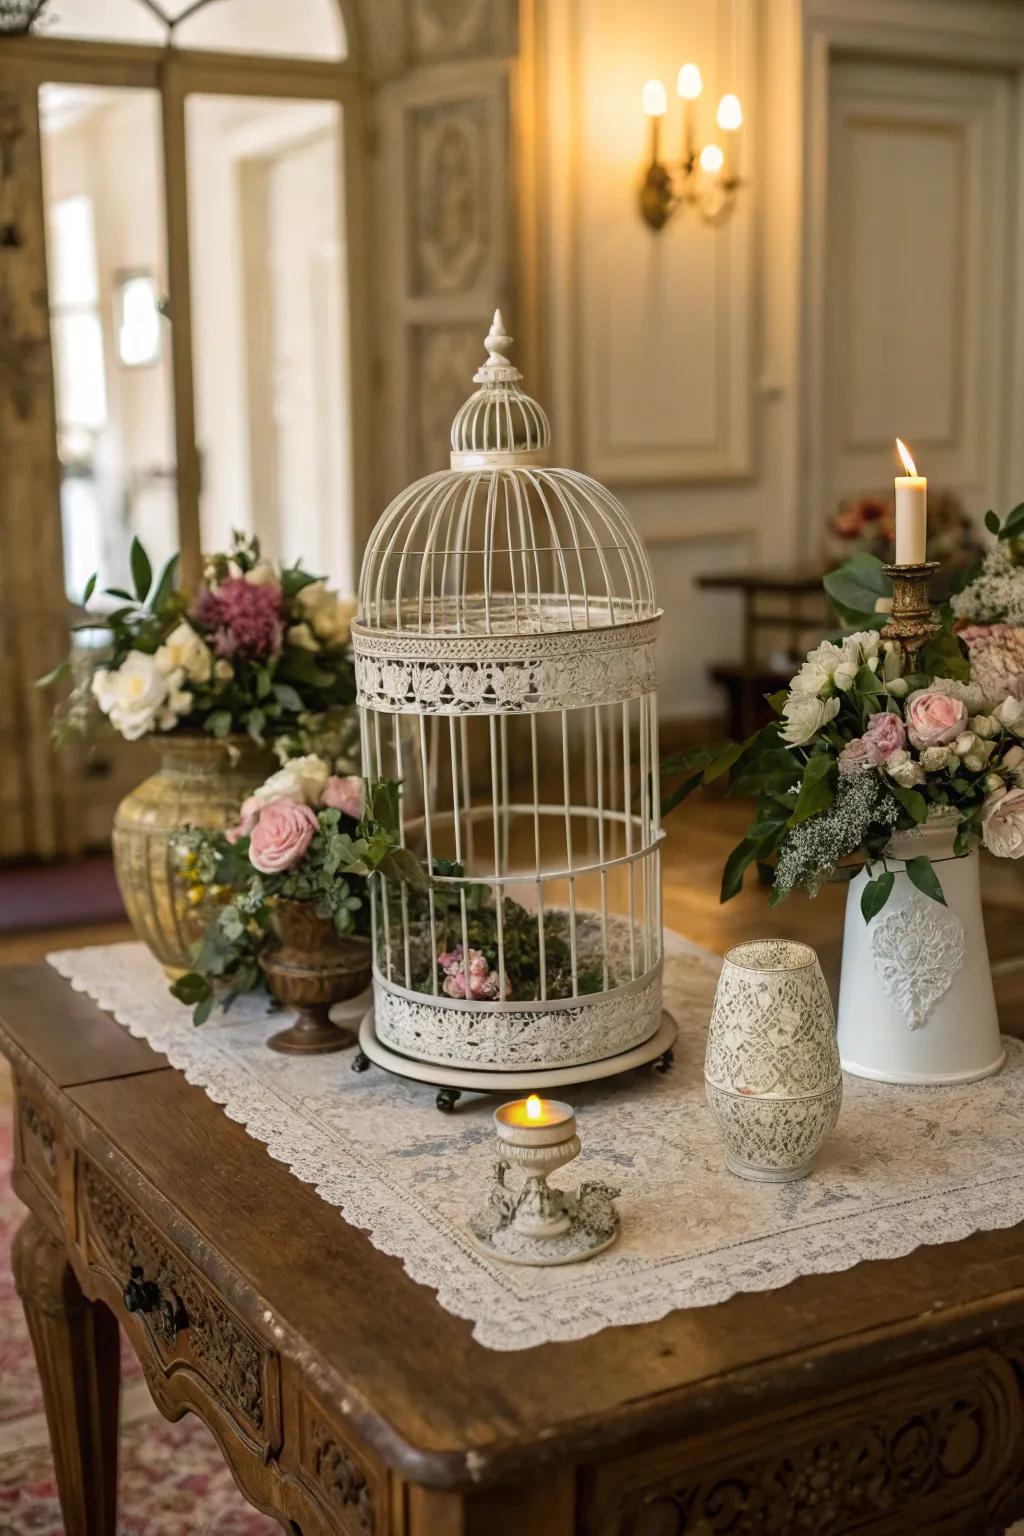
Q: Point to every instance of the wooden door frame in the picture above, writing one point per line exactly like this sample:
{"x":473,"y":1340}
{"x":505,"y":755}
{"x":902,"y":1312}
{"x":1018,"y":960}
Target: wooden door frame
{"x":175,"y":74}
{"x":985,"y":36}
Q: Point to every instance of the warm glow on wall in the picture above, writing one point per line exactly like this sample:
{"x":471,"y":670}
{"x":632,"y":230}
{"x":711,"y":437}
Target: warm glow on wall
{"x":667,"y":187}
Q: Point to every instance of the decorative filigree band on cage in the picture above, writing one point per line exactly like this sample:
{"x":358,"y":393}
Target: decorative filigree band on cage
{"x":506,"y":678}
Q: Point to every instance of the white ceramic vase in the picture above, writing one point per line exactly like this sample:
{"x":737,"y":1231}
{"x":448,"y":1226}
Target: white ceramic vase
{"x":915,"y":1001}
{"x":772,"y":1071}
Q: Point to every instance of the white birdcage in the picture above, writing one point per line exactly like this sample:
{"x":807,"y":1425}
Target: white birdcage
{"x":504,"y":656}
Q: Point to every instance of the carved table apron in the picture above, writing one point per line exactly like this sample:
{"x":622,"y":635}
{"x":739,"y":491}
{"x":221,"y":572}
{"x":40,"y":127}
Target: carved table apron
{"x":884,"y":1399}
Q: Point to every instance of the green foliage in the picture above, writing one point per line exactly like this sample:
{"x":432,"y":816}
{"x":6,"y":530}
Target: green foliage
{"x":817,"y":789}
{"x":875,"y":894}
{"x":854,"y":589}
{"x":237,"y":901}
{"x":293,"y":695}
{"x":921,"y":873}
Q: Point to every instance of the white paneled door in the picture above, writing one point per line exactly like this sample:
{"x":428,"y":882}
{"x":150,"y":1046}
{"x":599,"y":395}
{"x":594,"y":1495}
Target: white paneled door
{"x":918,"y":296}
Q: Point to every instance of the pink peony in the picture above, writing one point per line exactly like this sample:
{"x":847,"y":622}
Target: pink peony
{"x":245,"y":619}
{"x":934,"y":719}
{"x":344,"y":795}
{"x":246,"y":820}
{"x":483,"y":983}
{"x":885,"y":735}
{"x":997,"y":658}
{"x":282,"y":833}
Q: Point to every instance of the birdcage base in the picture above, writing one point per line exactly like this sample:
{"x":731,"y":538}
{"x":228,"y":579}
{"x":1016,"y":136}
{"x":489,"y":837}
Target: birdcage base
{"x":452,"y":1082}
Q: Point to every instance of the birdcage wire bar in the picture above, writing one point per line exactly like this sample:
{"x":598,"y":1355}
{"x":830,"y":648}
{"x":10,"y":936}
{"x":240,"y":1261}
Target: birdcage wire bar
{"x":514,"y":602}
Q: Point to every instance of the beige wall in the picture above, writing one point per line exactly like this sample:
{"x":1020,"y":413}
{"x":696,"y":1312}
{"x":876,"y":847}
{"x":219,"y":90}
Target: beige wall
{"x":730,"y":383}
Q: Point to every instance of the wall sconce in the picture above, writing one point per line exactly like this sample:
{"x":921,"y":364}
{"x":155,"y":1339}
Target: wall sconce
{"x":706,"y":178}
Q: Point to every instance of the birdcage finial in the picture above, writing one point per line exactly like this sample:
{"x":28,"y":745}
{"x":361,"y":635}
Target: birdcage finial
{"x":497,"y":368}
{"x":499,"y":424}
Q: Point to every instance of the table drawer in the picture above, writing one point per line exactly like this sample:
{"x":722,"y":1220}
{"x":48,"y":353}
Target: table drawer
{"x":188,"y":1338}
{"x":943,"y":1443}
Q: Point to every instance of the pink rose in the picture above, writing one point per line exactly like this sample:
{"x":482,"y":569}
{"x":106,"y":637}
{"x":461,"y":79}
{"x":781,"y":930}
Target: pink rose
{"x":934,"y":719}
{"x":885,"y":735}
{"x":475,"y":980}
{"x":246,"y":819}
{"x":997,"y":658}
{"x":281,"y":836}
{"x":857,"y":757}
{"x":344,"y":795}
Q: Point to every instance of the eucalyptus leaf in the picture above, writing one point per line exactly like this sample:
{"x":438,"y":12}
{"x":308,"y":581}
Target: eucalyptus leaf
{"x":992,"y":522}
{"x":914,"y":803}
{"x":855,"y":587}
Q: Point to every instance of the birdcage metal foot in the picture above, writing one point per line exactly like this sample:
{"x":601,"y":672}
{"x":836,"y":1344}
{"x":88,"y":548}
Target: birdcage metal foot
{"x":665,"y":1061}
{"x":447,"y":1098}
{"x":361,"y":1062}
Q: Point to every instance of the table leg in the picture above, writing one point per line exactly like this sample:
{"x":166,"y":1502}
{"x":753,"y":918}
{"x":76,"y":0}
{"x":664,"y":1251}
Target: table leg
{"x":77,"y":1352}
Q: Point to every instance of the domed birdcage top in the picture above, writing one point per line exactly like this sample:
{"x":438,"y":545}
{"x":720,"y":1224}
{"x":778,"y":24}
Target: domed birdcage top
{"x":501,"y":544}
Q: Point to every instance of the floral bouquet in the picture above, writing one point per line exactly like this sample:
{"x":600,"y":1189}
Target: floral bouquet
{"x":868,"y":742}
{"x":989,"y":608}
{"x":260,"y":649}
{"x":867,"y":525}
{"x":305,"y":835}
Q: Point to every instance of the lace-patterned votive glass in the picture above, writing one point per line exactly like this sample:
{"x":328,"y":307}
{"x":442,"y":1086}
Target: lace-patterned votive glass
{"x":772,"y":1070}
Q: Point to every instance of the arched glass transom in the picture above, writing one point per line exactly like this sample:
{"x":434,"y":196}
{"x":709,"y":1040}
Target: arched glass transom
{"x":312,"y":29}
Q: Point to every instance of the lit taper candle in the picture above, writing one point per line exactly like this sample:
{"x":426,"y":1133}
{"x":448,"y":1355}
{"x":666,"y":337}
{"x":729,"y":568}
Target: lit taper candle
{"x":911,"y":512}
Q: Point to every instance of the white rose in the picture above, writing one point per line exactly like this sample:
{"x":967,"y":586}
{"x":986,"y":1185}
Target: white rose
{"x":1013,"y":757}
{"x":865,"y":644}
{"x":934,"y":759}
{"x":985,"y":726}
{"x":186,"y":650}
{"x":904,"y":770}
{"x":805,"y":714}
{"x":135,"y":695}
{"x":223,"y":671}
{"x":845,"y":675}
{"x":301,"y":636}
{"x":1010,"y":713}
{"x":976,"y":760}
{"x":965,"y":742}
{"x":302,"y":779}
{"x":261,"y":575}
{"x":993,"y":782}
{"x":1002,"y":824}
{"x":329,"y":615}
{"x":898,"y":687}
{"x":968,"y":693}
{"x":892,"y":663}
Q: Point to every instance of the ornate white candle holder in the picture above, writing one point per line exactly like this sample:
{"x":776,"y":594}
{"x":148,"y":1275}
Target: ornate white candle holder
{"x":535,"y":1224}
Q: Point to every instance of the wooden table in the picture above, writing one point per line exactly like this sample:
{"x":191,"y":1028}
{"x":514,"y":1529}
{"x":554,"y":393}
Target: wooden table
{"x":885,"y":1399}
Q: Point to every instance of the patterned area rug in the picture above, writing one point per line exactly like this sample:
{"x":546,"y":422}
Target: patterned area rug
{"x":173,"y":1480}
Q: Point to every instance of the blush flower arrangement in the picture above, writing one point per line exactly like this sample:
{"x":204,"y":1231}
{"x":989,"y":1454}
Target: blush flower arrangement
{"x":260,"y":649}
{"x":866,"y":744}
{"x":304,"y":835}
{"x":989,"y":608}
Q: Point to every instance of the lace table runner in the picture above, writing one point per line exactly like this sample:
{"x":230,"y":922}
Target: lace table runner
{"x":905,"y":1166}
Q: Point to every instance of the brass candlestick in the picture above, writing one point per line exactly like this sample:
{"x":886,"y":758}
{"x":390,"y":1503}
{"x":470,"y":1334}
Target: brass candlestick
{"x":912,"y":621}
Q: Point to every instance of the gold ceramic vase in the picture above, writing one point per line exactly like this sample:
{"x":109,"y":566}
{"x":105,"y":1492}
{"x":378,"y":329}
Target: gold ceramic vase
{"x":201,"y":782}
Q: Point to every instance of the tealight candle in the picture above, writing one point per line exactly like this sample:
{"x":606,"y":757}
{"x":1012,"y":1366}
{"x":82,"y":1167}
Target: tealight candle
{"x":911,"y":512}
{"x":535,"y":1122}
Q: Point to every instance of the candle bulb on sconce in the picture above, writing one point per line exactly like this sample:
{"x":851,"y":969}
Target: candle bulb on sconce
{"x":690,"y":86}
{"x":912,"y":622}
{"x":730,"y":120}
{"x":655,"y":104}
{"x":706,"y":177}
